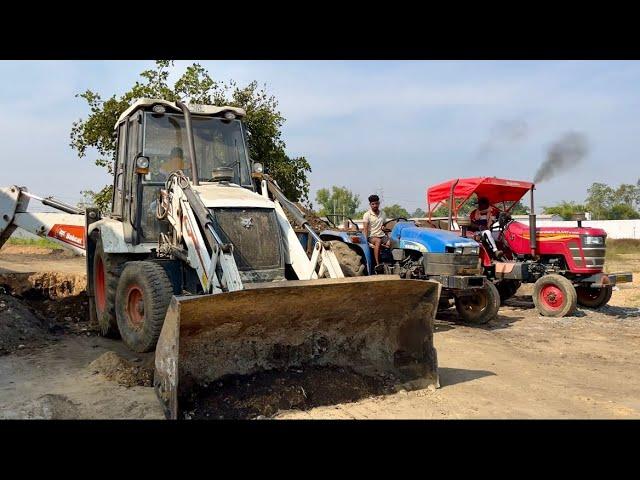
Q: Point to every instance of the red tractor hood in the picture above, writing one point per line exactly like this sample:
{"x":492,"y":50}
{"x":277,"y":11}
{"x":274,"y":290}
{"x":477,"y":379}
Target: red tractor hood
{"x":557,"y":232}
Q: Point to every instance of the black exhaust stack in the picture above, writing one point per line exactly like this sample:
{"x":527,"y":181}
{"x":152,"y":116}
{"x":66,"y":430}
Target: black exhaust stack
{"x":533,"y":242}
{"x":192,"y":148}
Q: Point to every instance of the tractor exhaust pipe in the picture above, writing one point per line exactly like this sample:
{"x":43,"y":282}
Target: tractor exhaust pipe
{"x":533,"y":242}
{"x":192,"y":148}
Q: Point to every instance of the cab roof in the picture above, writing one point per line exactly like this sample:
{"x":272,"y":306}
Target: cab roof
{"x":195,"y":108}
{"x":494,"y":189}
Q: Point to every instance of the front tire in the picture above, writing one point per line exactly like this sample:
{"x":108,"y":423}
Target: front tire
{"x":105,"y":271}
{"x":350,"y":260}
{"x":142,"y":299}
{"x":594,"y":297}
{"x":554,"y":296}
{"x":480,"y":306}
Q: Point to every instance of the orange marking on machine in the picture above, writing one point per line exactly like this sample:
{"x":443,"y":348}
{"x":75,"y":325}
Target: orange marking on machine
{"x":71,"y":234}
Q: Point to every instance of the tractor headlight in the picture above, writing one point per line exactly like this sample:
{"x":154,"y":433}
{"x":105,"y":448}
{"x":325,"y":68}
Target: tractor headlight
{"x":593,"y":240}
{"x":458,"y":250}
{"x":229,"y":116}
{"x":473,"y":250}
{"x":257,"y":167}
{"x":142,"y":165}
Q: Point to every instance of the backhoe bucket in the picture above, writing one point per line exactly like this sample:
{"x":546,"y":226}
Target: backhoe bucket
{"x":379,"y":324}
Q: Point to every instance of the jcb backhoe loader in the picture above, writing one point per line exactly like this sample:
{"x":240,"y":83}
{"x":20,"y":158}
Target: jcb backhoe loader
{"x":198,"y":261}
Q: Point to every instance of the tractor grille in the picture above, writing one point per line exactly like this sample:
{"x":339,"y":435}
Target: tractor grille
{"x":451,"y":264}
{"x":255,"y":235}
{"x":593,"y":255}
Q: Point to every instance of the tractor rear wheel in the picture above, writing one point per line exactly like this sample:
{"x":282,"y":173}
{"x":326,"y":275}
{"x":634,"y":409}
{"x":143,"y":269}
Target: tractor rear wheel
{"x":554,"y":296}
{"x":350,"y":261}
{"x":104,"y":280}
{"x":142,"y":299}
{"x":594,"y":297}
{"x":480,"y":306}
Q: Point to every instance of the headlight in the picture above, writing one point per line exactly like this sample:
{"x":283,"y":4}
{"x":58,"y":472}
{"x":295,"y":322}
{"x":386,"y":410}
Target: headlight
{"x":593,"y":240}
{"x":473,"y":250}
{"x":459,"y":250}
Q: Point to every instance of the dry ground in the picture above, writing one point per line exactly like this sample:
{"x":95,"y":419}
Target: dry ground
{"x":518,"y":366}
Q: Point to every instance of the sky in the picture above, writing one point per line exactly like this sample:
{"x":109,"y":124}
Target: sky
{"x":386,"y":127}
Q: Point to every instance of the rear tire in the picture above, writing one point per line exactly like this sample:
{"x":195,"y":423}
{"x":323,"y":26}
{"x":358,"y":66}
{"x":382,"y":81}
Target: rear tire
{"x":350,"y":261}
{"x":507,"y":289}
{"x":554,"y":296}
{"x":479,"y":307}
{"x":142,"y":298}
{"x":105,"y":272}
{"x":594,"y":297}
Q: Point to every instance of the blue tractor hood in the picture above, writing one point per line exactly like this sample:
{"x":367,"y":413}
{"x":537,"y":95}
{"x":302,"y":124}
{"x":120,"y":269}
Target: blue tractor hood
{"x":408,"y":235}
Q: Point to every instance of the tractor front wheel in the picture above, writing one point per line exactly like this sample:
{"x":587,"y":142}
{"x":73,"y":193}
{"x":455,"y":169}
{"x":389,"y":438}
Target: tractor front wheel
{"x":554,"y":296}
{"x":594,"y":297}
{"x":142,"y":299}
{"x":350,"y":260}
{"x":480,"y":306}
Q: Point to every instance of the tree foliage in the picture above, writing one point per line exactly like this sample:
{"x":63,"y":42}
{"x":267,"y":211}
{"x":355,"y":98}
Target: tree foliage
{"x":338,"y":200}
{"x":604,"y":203}
{"x":263,"y":120}
{"x":418,"y":213}
{"x":564,"y":209}
{"x":395,"y":211}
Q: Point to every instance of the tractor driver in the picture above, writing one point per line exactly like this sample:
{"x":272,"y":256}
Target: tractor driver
{"x":482,"y":218}
{"x":373,"y":220}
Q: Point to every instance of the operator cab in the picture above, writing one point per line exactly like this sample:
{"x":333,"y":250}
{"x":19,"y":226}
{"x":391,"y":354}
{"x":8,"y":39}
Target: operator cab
{"x":152,"y":143}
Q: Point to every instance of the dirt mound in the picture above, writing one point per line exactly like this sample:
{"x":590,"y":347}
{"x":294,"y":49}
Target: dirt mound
{"x":19,"y":327}
{"x":122,"y":371}
{"x":44,"y":284}
{"x":266,"y":393}
{"x":12,"y":249}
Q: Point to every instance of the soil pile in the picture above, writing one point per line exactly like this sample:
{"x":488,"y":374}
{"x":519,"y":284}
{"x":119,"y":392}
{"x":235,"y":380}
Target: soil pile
{"x":19,"y":327}
{"x":122,"y":371}
{"x":265,"y":394}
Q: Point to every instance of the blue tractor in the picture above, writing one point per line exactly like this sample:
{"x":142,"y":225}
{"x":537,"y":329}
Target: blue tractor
{"x":422,"y":253}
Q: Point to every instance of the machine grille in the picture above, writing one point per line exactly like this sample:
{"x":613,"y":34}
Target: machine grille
{"x":593,"y":256}
{"x":255,"y":235}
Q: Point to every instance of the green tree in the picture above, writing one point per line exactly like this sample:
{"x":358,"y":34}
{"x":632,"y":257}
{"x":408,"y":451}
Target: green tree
{"x":519,"y":209}
{"x":600,"y":198}
{"x":628,"y":194}
{"x":338,"y":200}
{"x":418,"y":213}
{"x":395,"y":211}
{"x":263,"y":121}
{"x":564,"y":209}
{"x":622,"y":211}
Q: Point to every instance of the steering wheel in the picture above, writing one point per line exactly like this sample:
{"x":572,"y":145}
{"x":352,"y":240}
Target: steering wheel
{"x":354,"y":224}
{"x":394,"y":220}
{"x":503,"y":220}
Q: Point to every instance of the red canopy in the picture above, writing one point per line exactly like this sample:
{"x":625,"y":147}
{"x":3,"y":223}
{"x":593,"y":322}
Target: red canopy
{"x":494,"y":189}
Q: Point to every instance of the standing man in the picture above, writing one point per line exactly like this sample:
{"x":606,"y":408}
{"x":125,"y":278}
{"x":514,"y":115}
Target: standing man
{"x":373,"y":221}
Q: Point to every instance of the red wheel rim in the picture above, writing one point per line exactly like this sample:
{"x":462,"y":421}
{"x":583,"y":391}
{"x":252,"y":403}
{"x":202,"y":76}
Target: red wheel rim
{"x":101,"y":297}
{"x":135,"y":306}
{"x":552,"y":297}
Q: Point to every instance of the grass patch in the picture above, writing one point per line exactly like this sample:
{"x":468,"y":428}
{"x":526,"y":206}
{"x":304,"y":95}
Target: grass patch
{"x":622,"y":245}
{"x":34,"y":242}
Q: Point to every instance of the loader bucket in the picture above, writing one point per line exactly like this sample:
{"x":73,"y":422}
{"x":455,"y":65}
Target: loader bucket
{"x":379,"y":324}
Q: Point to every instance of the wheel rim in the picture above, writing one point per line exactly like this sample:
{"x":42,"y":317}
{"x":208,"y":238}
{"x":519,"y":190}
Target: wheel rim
{"x":135,"y":307}
{"x":552,"y":297}
{"x":101,"y":297}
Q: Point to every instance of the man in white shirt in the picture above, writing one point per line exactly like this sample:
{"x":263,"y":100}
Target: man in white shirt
{"x":373,"y":231}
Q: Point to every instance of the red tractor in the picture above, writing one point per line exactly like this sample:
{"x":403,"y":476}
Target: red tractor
{"x":565,"y":264}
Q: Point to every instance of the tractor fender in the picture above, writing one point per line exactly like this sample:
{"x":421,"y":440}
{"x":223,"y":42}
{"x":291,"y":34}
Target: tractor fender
{"x":113,"y":238}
